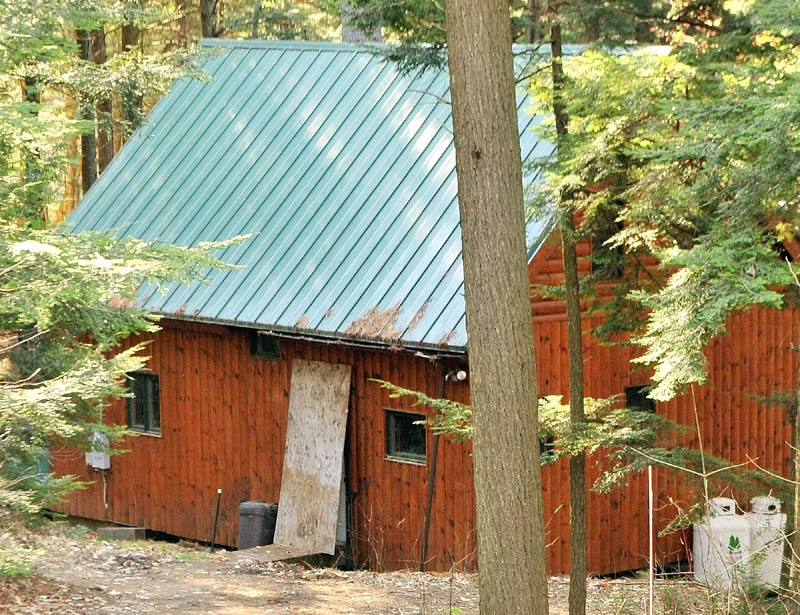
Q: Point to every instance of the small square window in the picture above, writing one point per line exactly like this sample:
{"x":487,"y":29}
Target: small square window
{"x":405,"y":440}
{"x":144,"y":409}
{"x":636,"y":399}
{"x":265,"y":346}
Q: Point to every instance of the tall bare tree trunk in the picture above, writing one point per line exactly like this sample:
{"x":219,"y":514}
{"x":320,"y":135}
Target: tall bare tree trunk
{"x":130,"y":35}
{"x":209,"y":18}
{"x":577,"y":463}
{"x":86,"y":112}
{"x":533,"y":32}
{"x":72,"y":176}
{"x":105,"y":137}
{"x":183,"y":23}
{"x":792,"y":549}
{"x":256,"y":18}
{"x":131,"y":102}
{"x":511,"y":539}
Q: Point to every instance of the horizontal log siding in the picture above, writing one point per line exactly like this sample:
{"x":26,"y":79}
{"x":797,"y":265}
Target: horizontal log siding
{"x":754,"y":359}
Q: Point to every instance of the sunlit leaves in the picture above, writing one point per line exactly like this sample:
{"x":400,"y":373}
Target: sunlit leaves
{"x":66,"y":301}
{"x":695,"y":151}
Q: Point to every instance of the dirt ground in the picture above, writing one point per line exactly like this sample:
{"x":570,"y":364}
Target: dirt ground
{"x":80,"y":574}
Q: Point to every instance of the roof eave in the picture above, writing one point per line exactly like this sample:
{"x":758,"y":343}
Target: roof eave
{"x":326,"y":336}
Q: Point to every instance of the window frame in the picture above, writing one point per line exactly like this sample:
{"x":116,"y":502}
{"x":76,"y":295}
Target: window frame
{"x":145,"y":398}
{"x":640,"y":391}
{"x":390,"y":428}
{"x":258,"y":352}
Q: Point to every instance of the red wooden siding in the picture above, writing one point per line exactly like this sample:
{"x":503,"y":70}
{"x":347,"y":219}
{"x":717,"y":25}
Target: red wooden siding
{"x":224,"y":416}
{"x":223,"y":425}
{"x":753,"y":360}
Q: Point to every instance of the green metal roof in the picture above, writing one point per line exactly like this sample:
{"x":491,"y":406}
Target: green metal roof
{"x":342,"y":169}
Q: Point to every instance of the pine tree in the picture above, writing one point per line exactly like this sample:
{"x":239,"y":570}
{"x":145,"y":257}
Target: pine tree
{"x":502,"y":360}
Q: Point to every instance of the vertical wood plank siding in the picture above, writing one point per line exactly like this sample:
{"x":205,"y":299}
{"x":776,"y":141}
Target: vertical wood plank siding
{"x":224,"y":413}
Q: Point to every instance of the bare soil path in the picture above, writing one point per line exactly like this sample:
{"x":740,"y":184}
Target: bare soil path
{"x":81,"y":575}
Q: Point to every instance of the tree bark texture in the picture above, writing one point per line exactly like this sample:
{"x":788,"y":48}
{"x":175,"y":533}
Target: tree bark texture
{"x":86,"y":110}
{"x":183,"y":23}
{"x":105,"y":136}
{"x":533,"y":32}
{"x":256,"y":19}
{"x":510,"y":527}
{"x":577,"y":463}
{"x":794,"y":515}
{"x":72,"y":175}
{"x":130,"y":35}
{"x":209,"y":18}
{"x":131,"y":102}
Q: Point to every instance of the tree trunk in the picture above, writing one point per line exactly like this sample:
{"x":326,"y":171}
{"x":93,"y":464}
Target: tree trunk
{"x":33,"y":162}
{"x":131,"y":102}
{"x":105,"y":137}
{"x":256,"y":18}
{"x":577,"y":463}
{"x":209,"y":18}
{"x":183,"y":23}
{"x":794,"y":516}
{"x":72,"y":175}
{"x":130,"y":35}
{"x":354,"y":35}
{"x":86,"y":112}
{"x":533,"y":31}
{"x":510,"y":528}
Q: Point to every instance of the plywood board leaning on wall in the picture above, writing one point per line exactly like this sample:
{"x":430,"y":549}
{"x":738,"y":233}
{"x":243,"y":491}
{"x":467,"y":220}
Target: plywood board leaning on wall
{"x":312,"y":465}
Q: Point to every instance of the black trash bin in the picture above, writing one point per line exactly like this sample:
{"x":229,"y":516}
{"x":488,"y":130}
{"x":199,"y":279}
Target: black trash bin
{"x":256,"y":524}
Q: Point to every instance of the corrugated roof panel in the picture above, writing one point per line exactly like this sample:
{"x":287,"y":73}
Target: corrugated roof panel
{"x":288,"y":167}
{"x":341,"y":169}
{"x":372,"y":213}
{"x":162,"y":150}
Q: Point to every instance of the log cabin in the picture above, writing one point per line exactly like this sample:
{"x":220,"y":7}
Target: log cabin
{"x":262,"y":382}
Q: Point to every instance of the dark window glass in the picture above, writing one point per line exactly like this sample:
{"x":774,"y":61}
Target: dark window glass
{"x":607,"y":261}
{"x":265,"y":346}
{"x":144,"y":407}
{"x":636,"y":399}
{"x":404,"y":439}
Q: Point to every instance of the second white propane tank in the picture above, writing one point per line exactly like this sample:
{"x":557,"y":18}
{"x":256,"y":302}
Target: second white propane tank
{"x":767,"y":525}
{"x":721,"y":544}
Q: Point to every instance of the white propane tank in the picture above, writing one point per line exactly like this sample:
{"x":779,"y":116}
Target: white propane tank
{"x":767,"y":525}
{"x":721,"y":544}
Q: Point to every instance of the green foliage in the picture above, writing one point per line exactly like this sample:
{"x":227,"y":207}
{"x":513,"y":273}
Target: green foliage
{"x":693,"y":150}
{"x":282,"y":20}
{"x":65,"y":302}
{"x":451,"y":418}
{"x":413,"y":21}
{"x":421,"y":22}
{"x":692,"y":307}
{"x":627,"y":441}
{"x":17,"y":562}
{"x":616,"y":431}
{"x":42,"y":77}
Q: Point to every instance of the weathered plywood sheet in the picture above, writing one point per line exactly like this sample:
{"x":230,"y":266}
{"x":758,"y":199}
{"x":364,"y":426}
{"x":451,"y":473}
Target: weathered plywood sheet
{"x":312,"y":464}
